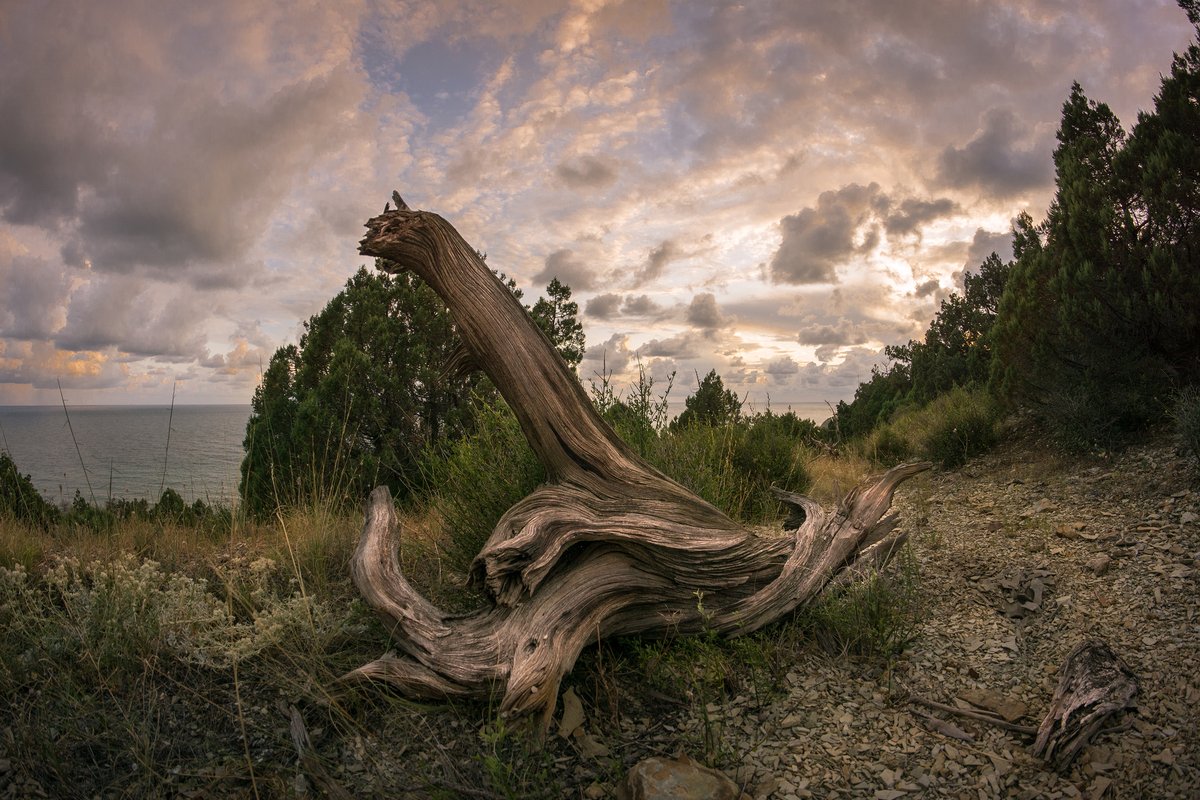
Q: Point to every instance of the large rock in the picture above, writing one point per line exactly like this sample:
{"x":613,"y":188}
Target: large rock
{"x":678,"y":779}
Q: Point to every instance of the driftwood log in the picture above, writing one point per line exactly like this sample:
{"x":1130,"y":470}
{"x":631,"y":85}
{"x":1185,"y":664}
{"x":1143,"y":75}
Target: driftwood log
{"x":1094,"y":686}
{"x":607,"y":546}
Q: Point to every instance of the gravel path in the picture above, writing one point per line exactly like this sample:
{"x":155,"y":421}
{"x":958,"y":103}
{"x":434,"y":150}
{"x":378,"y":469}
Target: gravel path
{"x":1104,"y":549}
{"x":1021,"y":555}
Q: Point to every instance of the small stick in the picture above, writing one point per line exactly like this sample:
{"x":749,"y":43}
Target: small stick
{"x":975,"y":715}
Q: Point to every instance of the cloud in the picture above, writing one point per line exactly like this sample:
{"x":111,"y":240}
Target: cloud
{"x":640,"y":306}
{"x":201,"y":194}
{"x":703,"y":313}
{"x":586,"y":172}
{"x":656,"y":261}
{"x":682,"y":345}
{"x":121,"y":313}
{"x":244,"y":359}
{"x":603,"y":306}
{"x":35,"y":296}
{"x":927,"y":288}
{"x":842,"y":332}
{"x":240,"y":146}
{"x":838,"y":380}
{"x":995,"y":160}
{"x":781,"y":369}
{"x":42,"y":366}
{"x":139,"y":173}
{"x":984,"y":243}
{"x":613,"y":355}
{"x":818,"y":239}
{"x":913,"y":213}
{"x":569,"y":268}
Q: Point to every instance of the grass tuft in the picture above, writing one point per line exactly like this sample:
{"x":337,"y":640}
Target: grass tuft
{"x":875,"y":619}
{"x":950,"y":429}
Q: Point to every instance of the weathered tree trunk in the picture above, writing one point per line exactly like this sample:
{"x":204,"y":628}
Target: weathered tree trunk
{"x":1093,"y":687}
{"x":607,"y":546}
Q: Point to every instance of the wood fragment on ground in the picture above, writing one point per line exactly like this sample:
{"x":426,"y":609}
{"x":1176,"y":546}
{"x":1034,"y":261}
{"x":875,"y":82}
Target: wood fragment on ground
{"x":1095,"y":686}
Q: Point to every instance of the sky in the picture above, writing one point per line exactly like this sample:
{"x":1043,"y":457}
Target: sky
{"x":772,"y":189}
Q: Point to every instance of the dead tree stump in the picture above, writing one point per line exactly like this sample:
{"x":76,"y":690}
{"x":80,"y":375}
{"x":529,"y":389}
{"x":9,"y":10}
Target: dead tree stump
{"x":607,"y":546}
{"x":1093,"y":687}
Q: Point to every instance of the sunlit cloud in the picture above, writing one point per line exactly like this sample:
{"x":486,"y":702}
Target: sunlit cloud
{"x":773,"y":190}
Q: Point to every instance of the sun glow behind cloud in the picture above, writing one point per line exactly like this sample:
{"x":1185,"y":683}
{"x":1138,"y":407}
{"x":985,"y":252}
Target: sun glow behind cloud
{"x":776,"y":190}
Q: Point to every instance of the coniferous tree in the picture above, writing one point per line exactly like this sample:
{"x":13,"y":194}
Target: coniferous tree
{"x":1098,"y":324}
{"x":557,"y":316}
{"x":1161,"y":163}
{"x":365,"y":394}
{"x":712,"y":404}
{"x":355,"y":403}
{"x":956,"y":350}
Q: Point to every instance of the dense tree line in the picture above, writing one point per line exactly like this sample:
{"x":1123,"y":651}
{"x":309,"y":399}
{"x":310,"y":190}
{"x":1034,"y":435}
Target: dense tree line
{"x":369,"y":388}
{"x":1095,"y":324}
{"x":1099,"y":324}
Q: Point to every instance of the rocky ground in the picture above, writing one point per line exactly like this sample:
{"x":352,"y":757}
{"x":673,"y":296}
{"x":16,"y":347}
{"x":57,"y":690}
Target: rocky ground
{"x":1114,"y":544}
{"x":1020,"y":555}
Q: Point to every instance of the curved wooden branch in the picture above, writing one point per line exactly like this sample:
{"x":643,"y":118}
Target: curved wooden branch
{"x":608,"y":546}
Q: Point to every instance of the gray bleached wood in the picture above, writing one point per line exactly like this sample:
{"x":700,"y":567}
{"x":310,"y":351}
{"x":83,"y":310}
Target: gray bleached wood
{"x":1094,"y":686}
{"x":607,"y":546}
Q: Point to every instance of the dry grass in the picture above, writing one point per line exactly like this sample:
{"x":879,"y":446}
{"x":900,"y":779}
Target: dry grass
{"x":20,"y":545}
{"x":834,"y":476}
{"x":151,"y":659}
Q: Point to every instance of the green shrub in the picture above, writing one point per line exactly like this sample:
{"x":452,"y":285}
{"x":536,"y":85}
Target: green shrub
{"x":875,"y":618}
{"x":638,"y":417}
{"x":887,"y":447}
{"x":1187,"y":422}
{"x":20,"y":500}
{"x":952,"y":428}
{"x":477,"y":478}
{"x":964,"y":426}
{"x":733,"y":466}
{"x":700,"y":458}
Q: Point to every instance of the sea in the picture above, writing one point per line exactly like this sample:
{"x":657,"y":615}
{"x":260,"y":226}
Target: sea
{"x":123,"y":452}
{"x":109,"y":452}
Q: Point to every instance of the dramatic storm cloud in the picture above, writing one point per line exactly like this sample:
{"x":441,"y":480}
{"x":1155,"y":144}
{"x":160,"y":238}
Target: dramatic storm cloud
{"x":773,"y":189}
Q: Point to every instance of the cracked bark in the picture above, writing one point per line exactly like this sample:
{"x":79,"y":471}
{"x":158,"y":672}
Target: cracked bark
{"x":607,"y":546}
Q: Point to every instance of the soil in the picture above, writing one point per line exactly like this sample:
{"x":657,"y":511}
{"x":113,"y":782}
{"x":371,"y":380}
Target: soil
{"x":1021,"y":555}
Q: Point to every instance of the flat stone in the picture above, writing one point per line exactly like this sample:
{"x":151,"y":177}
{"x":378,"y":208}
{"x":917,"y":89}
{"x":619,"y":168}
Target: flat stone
{"x":572,"y":714}
{"x":1042,"y":506}
{"x":1008,"y":708}
{"x":679,"y":779}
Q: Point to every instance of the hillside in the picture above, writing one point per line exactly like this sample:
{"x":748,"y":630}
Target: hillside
{"x":1113,"y":542}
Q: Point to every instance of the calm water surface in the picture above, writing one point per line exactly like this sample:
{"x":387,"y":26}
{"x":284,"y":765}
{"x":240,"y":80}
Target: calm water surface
{"x":125,"y":452}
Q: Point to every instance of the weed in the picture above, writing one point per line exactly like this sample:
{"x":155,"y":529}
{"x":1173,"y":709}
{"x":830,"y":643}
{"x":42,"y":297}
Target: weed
{"x":1186,"y":414}
{"x":887,"y":447}
{"x":478,"y":478}
{"x":950,"y":429}
{"x":515,"y":765}
{"x":875,"y":618}
{"x":833,"y":476}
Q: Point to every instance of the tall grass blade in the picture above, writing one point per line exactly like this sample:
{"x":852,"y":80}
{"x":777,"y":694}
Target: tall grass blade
{"x":170,"y":417}
{"x":75,"y":441}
